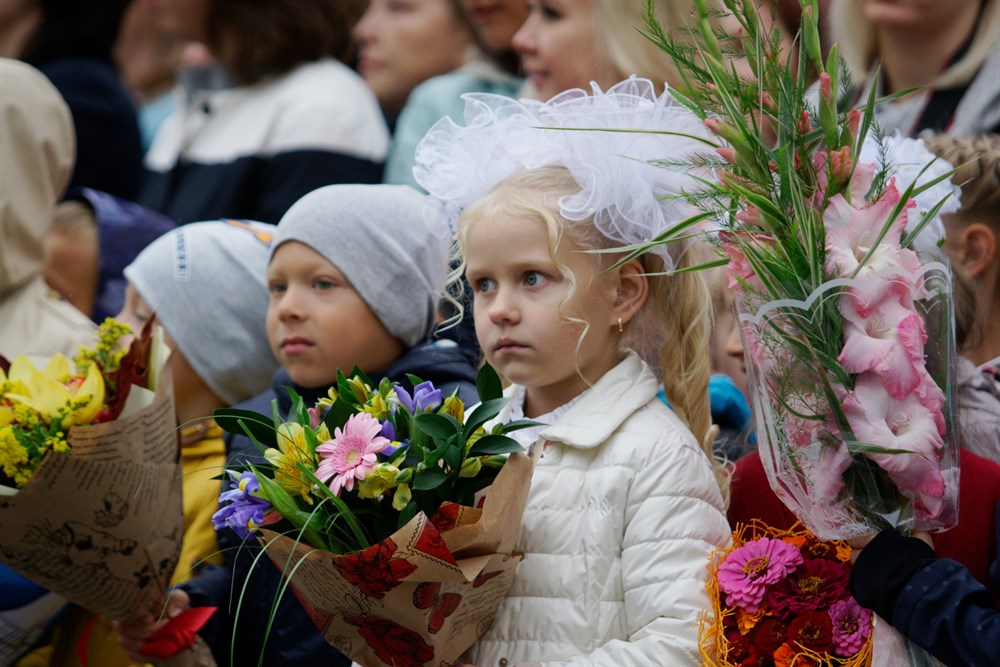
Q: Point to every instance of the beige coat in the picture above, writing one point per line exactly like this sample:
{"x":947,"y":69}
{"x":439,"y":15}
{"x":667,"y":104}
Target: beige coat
{"x":36,"y":161}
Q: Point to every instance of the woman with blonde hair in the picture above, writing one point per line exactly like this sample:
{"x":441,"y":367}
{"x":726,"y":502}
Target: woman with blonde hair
{"x":950,"y":49}
{"x":567,"y":44}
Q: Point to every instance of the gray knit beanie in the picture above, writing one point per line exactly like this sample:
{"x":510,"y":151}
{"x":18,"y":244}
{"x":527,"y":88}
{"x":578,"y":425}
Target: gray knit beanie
{"x":376,"y":236}
{"x":206,"y":282}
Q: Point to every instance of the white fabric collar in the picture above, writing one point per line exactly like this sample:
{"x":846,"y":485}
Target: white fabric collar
{"x":591,"y":417}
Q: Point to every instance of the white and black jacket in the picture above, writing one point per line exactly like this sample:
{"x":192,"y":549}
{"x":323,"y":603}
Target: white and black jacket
{"x":252,"y":151}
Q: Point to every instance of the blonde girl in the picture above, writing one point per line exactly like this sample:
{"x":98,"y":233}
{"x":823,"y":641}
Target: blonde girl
{"x":625,"y":503}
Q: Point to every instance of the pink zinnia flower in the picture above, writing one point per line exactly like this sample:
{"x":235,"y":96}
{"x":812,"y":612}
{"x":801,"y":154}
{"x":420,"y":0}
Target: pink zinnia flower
{"x":350,"y":454}
{"x":851,"y":626}
{"x":907,"y":424}
{"x":748,"y":571}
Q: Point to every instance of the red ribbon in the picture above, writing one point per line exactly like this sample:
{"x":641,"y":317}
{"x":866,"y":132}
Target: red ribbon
{"x":178,"y":634}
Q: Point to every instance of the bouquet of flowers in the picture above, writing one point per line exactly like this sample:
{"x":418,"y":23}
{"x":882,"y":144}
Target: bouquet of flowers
{"x":367,"y":502}
{"x":77,"y":444}
{"x":780,"y":598}
{"x":830,"y":233}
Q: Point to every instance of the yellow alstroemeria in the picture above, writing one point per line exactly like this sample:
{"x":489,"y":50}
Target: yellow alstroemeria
{"x":470,"y":467}
{"x":377,"y":407}
{"x":46,"y":393}
{"x":360,"y":389}
{"x":378,"y":481}
{"x":454,"y":406}
{"x":292,"y":449}
{"x":401,"y":498}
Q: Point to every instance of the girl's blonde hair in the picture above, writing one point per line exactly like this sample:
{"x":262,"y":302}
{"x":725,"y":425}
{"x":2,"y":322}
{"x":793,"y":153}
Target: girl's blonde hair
{"x":977,"y":158}
{"x":857,"y":37}
{"x":616,"y":34}
{"x":672,"y":334}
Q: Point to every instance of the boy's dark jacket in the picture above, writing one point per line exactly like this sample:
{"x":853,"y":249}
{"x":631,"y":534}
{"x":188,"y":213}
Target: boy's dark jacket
{"x":294,"y":639}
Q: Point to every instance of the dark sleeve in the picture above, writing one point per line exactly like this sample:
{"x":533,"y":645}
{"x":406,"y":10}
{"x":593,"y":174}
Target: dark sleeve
{"x":108,"y":143}
{"x":884,"y":568}
{"x":285,"y":178}
{"x":935,"y":602}
{"x":951,"y":615}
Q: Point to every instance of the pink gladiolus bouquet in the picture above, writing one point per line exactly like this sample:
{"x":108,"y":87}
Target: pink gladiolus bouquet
{"x":831,"y":234}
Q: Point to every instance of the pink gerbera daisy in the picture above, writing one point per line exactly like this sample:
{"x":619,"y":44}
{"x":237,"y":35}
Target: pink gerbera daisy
{"x":747,"y":572}
{"x":350,"y":454}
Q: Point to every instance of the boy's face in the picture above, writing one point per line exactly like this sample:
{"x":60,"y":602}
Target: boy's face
{"x":317,"y":323}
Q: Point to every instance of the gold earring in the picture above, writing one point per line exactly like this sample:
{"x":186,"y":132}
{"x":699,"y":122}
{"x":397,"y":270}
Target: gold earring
{"x":620,"y":329}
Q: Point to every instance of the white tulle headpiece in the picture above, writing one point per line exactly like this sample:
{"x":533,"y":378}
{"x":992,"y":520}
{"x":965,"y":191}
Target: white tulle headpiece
{"x":619,"y":187}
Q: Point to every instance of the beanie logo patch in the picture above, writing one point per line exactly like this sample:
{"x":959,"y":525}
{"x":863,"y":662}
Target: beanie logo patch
{"x":182,"y":269}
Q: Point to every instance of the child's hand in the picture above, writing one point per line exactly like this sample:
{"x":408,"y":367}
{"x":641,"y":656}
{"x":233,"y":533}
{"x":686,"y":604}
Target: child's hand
{"x":132,"y":634}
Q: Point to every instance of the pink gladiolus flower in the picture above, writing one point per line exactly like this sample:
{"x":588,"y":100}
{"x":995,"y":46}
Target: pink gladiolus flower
{"x":825,"y":471}
{"x":931,"y":397}
{"x":888,"y":341}
{"x":851,"y":626}
{"x":877,"y":418}
{"x":861,"y":180}
{"x":747,"y":572}
{"x":852,"y":232}
{"x":739,"y":267}
{"x":350,"y":454}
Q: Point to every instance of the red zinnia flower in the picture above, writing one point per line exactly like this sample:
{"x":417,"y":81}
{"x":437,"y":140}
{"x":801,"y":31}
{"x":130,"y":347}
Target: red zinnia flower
{"x":741,"y":651}
{"x":816,"y":584}
{"x":812,"y":630}
{"x":769,"y":635}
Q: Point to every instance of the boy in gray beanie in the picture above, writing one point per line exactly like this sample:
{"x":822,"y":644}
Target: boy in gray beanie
{"x":354,"y":277}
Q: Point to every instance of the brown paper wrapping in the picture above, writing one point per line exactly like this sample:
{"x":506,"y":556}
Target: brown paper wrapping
{"x":419,"y":597}
{"x":101,"y":525}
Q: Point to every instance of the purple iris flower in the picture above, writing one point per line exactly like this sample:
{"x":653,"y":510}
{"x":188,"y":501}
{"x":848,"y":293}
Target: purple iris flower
{"x":246,"y":509}
{"x":425,"y":397}
{"x":389,"y":431}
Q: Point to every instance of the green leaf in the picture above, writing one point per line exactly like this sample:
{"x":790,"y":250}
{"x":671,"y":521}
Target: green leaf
{"x":407,"y":513}
{"x":414,"y":380}
{"x":518,"y":424}
{"x":343,"y":509}
{"x":486,"y":411}
{"x":429,"y":479}
{"x":337,"y":415}
{"x":495,"y":444}
{"x":453,"y":457}
{"x":488,"y":383}
{"x":865,"y":448}
{"x":439,"y":426}
{"x":260,"y":427}
{"x":278,"y":497}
